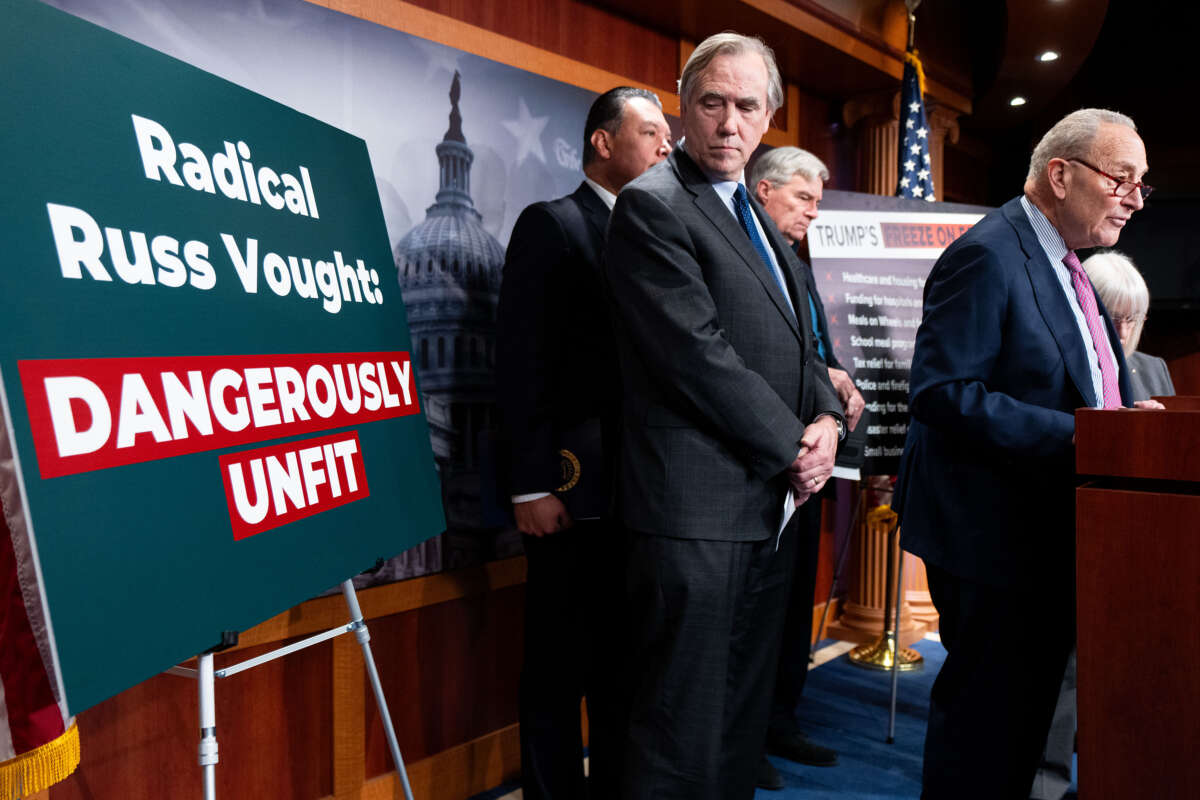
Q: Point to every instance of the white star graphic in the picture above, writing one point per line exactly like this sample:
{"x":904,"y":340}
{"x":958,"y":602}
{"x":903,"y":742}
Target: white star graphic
{"x":527,"y":130}
{"x":918,"y":191}
{"x":914,"y":107}
{"x":921,"y":133}
{"x":915,"y":149}
{"x":923,"y":174}
{"x":904,"y":182}
{"x":926,"y":157}
{"x":909,"y":123}
{"x":440,"y":58}
{"x":910,"y":165}
{"x":930,"y":198}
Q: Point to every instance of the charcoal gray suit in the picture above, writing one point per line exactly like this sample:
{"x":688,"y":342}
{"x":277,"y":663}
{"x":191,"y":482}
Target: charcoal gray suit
{"x":720,"y":379}
{"x":1148,"y":376}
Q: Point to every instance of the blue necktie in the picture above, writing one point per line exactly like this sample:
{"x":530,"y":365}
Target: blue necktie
{"x":817,"y":338}
{"x":742,"y":204}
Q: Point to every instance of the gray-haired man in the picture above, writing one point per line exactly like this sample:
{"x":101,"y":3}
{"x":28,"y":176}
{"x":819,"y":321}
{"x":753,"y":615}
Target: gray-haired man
{"x":1012,"y":341}
{"x":728,"y":416}
{"x":789,"y":182}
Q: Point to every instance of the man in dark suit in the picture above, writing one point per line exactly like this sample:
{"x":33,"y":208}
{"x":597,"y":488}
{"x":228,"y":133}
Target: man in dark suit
{"x":789,"y":182}
{"x":1012,"y":341}
{"x":729,"y":419}
{"x":557,"y":372}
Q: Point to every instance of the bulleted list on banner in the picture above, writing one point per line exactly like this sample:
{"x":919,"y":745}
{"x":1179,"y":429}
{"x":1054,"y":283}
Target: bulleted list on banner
{"x":870,"y":258}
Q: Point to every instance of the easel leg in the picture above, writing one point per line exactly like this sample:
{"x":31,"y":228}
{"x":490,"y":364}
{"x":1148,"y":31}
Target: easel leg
{"x":838,"y":565}
{"x":894,"y":644}
{"x":208,"y":725}
{"x":364,"y":640}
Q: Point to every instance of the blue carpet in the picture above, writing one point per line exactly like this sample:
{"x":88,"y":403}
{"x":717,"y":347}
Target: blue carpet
{"x":846,"y":707}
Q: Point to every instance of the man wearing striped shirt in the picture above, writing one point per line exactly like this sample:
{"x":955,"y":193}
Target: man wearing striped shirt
{"x":1012,"y":341}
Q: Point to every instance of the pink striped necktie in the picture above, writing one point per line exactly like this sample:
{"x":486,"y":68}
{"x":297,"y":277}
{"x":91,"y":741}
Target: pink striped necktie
{"x":1087,"y":303}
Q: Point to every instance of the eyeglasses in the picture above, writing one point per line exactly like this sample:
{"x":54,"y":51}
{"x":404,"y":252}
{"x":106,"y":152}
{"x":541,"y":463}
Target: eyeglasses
{"x":1122,"y":188}
{"x":1128,"y":319}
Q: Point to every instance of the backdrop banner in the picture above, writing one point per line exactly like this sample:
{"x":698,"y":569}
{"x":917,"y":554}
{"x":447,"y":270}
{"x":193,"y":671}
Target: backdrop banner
{"x":870,"y":257}
{"x":460,"y":144}
{"x":205,"y":358}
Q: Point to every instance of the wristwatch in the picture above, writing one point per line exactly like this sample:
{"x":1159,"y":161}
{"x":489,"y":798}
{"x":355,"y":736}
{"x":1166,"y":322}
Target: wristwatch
{"x":841,"y":426}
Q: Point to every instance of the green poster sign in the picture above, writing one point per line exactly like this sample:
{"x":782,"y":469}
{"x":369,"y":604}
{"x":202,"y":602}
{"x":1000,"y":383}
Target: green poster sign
{"x":206,"y":372}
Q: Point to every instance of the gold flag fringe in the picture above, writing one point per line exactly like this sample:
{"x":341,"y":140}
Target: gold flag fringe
{"x":911,"y":57}
{"x":41,"y":767}
{"x":881,"y":515}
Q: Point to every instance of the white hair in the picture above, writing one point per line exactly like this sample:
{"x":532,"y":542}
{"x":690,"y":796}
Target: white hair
{"x":1072,"y":137}
{"x":779,"y":164}
{"x":1120,"y":286}
{"x":731,"y":44}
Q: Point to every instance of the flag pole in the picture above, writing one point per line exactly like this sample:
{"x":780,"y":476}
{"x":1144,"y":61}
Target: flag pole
{"x":911,"y":5}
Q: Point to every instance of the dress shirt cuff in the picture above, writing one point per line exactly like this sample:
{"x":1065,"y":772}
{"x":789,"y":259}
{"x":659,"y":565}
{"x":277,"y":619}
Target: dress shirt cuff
{"x":529,"y":498}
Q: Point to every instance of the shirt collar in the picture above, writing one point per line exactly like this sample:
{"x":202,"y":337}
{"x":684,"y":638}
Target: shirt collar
{"x":1047,"y":235}
{"x":726,"y":189}
{"x":604,"y":194}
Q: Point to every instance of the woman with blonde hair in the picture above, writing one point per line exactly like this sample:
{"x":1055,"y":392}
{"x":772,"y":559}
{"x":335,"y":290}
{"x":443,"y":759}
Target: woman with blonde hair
{"x":1124,"y":294}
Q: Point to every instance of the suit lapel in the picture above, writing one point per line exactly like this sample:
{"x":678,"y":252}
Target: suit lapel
{"x":793,"y":270}
{"x":595,"y":214}
{"x":1052,"y":303}
{"x":709,"y":204}
{"x":593,"y":209}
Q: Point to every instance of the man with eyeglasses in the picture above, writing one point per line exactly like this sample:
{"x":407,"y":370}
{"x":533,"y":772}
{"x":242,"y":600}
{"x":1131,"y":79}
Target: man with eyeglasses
{"x":1012,"y":341}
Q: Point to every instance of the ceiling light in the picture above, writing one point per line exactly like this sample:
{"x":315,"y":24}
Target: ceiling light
{"x":1017,"y":101}
{"x":1049,"y":55}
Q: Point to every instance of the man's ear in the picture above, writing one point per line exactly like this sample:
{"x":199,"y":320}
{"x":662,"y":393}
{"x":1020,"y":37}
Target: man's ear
{"x":762,"y":190}
{"x":1056,"y":174}
{"x":602,"y":143}
{"x":767,"y":123}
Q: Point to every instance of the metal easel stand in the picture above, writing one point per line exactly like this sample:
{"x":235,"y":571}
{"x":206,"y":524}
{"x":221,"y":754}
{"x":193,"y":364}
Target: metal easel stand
{"x":882,"y":653}
{"x":206,"y":677}
{"x":895,"y":642}
{"x":840,"y":563}
{"x":885,"y":653}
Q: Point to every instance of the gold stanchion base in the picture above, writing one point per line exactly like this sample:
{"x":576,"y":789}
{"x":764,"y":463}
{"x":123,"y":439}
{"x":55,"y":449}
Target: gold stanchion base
{"x":878,"y":655}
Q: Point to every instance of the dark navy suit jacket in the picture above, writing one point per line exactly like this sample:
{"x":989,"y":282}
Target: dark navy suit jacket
{"x":556,"y":365}
{"x":986,"y":487}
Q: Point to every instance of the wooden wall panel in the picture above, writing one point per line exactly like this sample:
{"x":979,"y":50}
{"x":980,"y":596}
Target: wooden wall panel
{"x":827,"y":554}
{"x":810,"y":126}
{"x":579,"y":31}
{"x":274,"y":735}
{"x":582,"y":45}
{"x":448,"y":647}
{"x":563,"y":40}
{"x":450,"y":672}
{"x":1185,"y":373}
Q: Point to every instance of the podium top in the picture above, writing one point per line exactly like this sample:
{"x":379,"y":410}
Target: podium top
{"x":1150,"y":445}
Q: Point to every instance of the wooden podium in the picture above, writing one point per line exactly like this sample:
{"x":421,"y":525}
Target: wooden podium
{"x":1138,"y":599}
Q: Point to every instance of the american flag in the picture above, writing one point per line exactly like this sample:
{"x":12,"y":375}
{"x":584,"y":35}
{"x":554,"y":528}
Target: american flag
{"x":915,"y":171}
